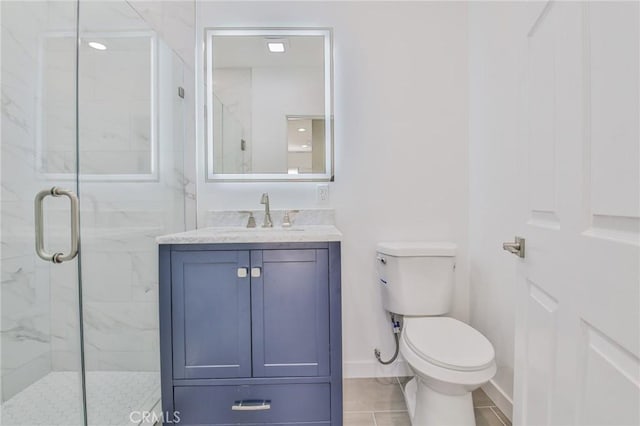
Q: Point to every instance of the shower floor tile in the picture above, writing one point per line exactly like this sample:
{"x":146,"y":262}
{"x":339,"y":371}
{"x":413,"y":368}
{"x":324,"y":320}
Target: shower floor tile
{"x":54,"y":400}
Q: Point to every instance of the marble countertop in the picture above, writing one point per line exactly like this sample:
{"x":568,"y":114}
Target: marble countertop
{"x":236,"y":234}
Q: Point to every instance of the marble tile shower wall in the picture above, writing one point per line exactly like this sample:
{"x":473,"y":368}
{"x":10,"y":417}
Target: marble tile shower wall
{"x":25,"y":322}
{"x":39,"y":323}
{"x":119,"y":283}
{"x":120,"y":221}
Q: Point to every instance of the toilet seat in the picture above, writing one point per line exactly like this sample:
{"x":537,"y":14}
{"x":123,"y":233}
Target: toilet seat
{"x":448,"y":343}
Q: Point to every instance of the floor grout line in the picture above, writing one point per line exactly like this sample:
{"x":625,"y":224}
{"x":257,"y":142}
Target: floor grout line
{"x":404,"y":395}
{"x":493,"y":408}
{"x":496,"y":414}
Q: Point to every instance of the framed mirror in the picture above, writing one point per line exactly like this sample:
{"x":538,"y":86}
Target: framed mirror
{"x":269,"y":104}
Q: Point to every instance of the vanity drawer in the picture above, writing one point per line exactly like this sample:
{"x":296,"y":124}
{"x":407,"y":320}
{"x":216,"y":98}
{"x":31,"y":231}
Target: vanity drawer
{"x":283,"y":403}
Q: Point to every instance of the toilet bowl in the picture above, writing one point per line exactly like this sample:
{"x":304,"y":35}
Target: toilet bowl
{"x":449,"y":358}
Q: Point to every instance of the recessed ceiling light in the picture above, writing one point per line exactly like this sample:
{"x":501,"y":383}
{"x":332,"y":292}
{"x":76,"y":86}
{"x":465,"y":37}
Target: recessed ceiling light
{"x":302,"y":129}
{"x":97,"y":46}
{"x":276,"y":46}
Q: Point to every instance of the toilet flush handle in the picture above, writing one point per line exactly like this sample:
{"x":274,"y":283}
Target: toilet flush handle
{"x":382,"y":260}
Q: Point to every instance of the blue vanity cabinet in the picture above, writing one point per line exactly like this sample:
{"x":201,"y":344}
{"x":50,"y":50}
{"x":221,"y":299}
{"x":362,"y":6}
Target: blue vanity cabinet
{"x":290,"y":312}
{"x":211,"y":314}
{"x":251,"y":333}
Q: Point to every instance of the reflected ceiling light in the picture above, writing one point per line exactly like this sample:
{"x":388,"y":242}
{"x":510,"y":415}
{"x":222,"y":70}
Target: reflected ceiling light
{"x":97,"y":46}
{"x":293,"y":171}
{"x":276,"y":45}
{"x":305,"y":146}
{"x":302,"y":129}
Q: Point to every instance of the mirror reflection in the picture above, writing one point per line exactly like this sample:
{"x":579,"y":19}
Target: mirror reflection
{"x":305,"y":145}
{"x":269,"y":105}
{"x":117,"y":104}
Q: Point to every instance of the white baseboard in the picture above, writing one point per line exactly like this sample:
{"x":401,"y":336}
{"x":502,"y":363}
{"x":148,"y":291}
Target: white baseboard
{"x":501,"y":399}
{"x":363,"y":369}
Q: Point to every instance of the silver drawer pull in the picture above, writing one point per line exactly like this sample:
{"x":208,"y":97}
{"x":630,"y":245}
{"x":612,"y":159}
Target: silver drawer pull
{"x":251,"y":405}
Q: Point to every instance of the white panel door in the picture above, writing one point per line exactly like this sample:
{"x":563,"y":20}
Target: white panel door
{"x":578,"y":316}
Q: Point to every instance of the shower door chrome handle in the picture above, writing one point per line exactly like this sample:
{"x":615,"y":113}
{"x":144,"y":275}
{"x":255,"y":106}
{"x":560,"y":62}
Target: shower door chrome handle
{"x":39,"y":224}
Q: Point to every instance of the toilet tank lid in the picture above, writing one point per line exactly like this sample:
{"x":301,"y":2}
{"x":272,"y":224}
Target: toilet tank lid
{"x":417,"y":248}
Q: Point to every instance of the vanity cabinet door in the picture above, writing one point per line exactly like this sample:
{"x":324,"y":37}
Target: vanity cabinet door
{"x":211,"y":314}
{"x":290,"y":308}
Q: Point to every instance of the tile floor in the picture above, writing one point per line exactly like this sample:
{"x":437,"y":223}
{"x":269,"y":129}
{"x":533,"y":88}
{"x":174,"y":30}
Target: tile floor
{"x":380,"y":402}
{"x":54,"y":400}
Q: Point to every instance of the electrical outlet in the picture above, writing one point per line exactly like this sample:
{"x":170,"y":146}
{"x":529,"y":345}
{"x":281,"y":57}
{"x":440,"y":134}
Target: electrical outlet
{"x":322,"y":194}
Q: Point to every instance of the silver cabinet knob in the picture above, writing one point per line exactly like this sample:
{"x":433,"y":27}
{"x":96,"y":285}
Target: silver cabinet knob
{"x":243,"y":272}
{"x":256,"y":272}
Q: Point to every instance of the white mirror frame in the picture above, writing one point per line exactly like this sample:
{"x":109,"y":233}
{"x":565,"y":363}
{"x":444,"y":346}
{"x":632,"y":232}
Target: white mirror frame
{"x":211,"y":175}
{"x":153,"y":173}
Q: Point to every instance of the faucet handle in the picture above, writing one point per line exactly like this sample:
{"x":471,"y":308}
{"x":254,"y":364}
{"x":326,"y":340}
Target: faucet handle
{"x":286,"y":220}
{"x":251,"y":223}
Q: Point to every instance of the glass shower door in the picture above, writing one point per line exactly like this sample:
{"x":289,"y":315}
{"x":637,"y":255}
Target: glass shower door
{"x":131,"y":181}
{"x":41,"y":378}
{"x":92,"y":104}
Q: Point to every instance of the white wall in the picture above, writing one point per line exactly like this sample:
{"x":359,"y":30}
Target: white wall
{"x":495,"y":69}
{"x":401,"y":102}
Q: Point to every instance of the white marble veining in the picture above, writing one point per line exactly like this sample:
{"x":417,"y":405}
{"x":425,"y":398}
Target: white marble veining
{"x":25,"y":311}
{"x":295,"y":234}
{"x":300,"y":217}
{"x":174,"y":21}
{"x":39,"y":315}
{"x":311,"y":225}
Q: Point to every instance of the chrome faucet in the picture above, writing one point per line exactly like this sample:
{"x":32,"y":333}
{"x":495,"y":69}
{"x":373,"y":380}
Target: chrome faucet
{"x":267,"y":214}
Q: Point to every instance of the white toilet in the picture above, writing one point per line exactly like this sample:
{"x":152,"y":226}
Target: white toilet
{"x":449,"y":358}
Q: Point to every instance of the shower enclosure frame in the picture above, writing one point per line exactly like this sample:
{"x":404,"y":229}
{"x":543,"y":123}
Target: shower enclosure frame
{"x":116,"y":215}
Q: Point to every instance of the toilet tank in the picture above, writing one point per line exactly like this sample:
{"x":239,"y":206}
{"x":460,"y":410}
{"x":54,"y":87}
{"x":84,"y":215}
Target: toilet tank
{"x":416,"y":278}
